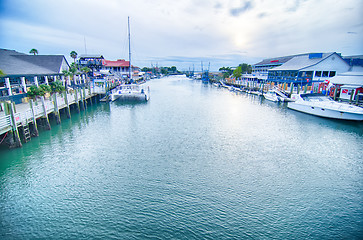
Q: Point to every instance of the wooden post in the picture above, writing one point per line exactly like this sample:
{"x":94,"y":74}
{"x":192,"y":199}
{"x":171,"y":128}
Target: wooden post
{"x":84,"y":97}
{"x":76,"y":101}
{"x":357,"y":100}
{"x":335,"y":92}
{"x":46,"y":119}
{"x":8,"y":86}
{"x":351,"y":96}
{"x":35,"y":133}
{"x":16,"y":139}
{"x":291,"y":88}
{"x":56,"y":109}
{"x":68,"y":112}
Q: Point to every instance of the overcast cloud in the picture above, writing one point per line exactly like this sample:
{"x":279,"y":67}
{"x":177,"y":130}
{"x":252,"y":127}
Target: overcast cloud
{"x":183,"y":32}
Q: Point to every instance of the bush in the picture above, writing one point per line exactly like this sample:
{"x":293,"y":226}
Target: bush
{"x":57,"y":87}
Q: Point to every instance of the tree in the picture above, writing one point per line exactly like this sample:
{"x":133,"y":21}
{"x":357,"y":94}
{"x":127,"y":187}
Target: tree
{"x":57,"y":87}
{"x":237,"y":73}
{"x":227,"y":71}
{"x":33,"y":51}
{"x":246,"y":68}
{"x":74,"y":56}
{"x":2,"y":73}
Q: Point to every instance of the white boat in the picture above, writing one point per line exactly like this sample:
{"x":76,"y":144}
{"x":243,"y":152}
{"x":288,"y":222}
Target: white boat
{"x":130,"y":92}
{"x":276,"y":95}
{"x":320,"y":105}
{"x":272,"y":96}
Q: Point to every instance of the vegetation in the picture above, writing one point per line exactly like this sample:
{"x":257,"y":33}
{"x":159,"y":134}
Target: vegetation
{"x":74,"y":56}
{"x":237,"y":73}
{"x":35,"y":91}
{"x":227,"y":71}
{"x":34,"y":51}
{"x":72,"y":70}
{"x":57,"y":87}
{"x":85,"y":70}
{"x":2,"y":73}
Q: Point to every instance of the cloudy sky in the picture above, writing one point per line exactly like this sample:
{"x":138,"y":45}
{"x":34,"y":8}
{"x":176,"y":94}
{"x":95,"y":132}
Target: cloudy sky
{"x":183,"y":32}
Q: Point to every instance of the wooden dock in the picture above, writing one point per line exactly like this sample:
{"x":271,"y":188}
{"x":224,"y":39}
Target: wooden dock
{"x":20,"y":122}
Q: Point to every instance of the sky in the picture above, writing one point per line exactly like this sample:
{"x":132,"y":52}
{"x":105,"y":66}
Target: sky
{"x":183,"y":33}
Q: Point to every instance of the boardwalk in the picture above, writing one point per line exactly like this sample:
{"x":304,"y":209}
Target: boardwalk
{"x":21,"y":116}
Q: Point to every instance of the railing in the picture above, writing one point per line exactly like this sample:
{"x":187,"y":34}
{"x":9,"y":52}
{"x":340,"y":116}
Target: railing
{"x":26,"y":116}
{"x":5,"y":121}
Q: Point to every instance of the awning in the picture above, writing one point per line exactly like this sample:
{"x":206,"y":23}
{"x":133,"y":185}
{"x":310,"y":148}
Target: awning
{"x":351,"y":86}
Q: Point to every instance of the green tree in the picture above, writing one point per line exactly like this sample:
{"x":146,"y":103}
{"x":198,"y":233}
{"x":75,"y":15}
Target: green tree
{"x":227,"y":71}
{"x":237,"y":73}
{"x":74,"y":56}
{"x":33,"y":91}
{"x":85,"y":70}
{"x":44,"y":89}
{"x":2,"y":73}
{"x":246,"y":68}
{"x":34,"y":51}
{"x":57,"y":87}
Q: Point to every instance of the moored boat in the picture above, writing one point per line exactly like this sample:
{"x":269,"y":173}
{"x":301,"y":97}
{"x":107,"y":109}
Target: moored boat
{"x":130,"y":92}
{"x":323,"y":106}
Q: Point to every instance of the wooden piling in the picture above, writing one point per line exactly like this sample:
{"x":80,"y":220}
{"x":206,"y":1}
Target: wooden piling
{"x":76,"y":99}
{"x":45,"y":116}
{"x":34,"y":131}
{"x":68,"y":112}
{"x":15,"y":140}
{"x":56,"y":109}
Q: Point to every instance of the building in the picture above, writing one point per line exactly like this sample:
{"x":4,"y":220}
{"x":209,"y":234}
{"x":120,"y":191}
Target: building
{"x":120,"y":67}
{"x":22,"y":70}
{"x":93,"y":62}
{"x":311,"y":69}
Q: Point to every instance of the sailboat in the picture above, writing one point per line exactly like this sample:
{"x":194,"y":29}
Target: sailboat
{"x":130,"y":91}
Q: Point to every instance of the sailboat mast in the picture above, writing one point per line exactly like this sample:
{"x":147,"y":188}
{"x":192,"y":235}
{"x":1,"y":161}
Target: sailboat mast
{"x":128,"y":22}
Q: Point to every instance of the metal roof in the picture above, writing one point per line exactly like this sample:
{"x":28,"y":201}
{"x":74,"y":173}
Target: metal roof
{"x":302,"y":61}
{"x":15,"y":63}
{"x":348,"y":78}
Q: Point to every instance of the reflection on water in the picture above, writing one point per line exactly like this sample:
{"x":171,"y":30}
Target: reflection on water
{"x":195,"y":162}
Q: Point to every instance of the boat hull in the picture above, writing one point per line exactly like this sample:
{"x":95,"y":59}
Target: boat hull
{"x":325,"y":112}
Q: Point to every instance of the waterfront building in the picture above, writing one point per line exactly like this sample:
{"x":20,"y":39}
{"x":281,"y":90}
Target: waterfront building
{"x":309,"y":68}
{"x":93,"y":62}
{"x":22,"y":70}
{"x":120,"y":67}
{"x":349,"y":85}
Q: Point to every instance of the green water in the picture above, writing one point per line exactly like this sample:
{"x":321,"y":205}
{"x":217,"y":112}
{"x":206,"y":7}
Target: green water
{"x":195,"y":162}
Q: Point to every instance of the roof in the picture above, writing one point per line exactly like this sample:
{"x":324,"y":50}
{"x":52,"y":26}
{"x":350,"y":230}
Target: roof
{"x":93,"y":56}
{"x":118,"y":63}
{"x":348,"y":78}
{"x":275,"y":61}
{"x":303,"y":61}
{"x":15,"y":63}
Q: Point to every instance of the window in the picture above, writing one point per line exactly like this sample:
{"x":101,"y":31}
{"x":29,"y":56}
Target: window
{"x":325,"y":74}
{"x":332,"y":74}
{"x":318,"y":74}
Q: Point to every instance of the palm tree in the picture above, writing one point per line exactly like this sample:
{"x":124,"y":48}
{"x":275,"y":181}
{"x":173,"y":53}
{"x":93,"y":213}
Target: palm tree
{"x":34,"y":51}
{"x":74,"y":56}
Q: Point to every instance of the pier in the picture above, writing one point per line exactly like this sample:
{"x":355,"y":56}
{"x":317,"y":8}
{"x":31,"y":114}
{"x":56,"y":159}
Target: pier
{"x":20,"y":122}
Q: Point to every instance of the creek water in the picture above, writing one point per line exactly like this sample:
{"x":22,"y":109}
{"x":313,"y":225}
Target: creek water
{"x":195,"y":162}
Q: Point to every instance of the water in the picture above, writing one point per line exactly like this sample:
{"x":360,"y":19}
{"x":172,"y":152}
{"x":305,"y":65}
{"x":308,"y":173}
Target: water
{"x":195,"y":162}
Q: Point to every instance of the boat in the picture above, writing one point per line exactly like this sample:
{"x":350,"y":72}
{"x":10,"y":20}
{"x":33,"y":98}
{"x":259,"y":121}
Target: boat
{"x":272,"y":96}
{"x":323,"y":106}
{"x":276,"y":95}
{"x":130,"y":91}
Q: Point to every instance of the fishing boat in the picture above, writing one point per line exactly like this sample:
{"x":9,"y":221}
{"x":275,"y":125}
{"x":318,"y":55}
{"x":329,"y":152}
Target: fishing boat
{"x":323,"y":106}
{"x":130,"y":91}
